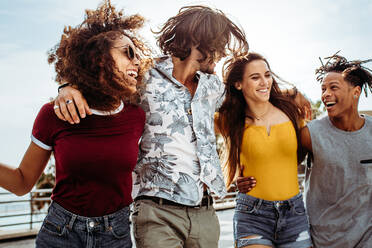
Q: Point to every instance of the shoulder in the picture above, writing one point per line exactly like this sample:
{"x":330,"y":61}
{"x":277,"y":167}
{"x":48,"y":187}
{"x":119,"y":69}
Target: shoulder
{"x":368,"y":119}
{"x":46,"y":113}
{"x":212,"y":82}
{"x":134,"y":110}
{"x":317,"y":123}
{"x":47,"y":108}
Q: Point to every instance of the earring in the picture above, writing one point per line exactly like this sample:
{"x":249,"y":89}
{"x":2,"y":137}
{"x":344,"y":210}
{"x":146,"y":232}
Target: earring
{"x":355,"y":96}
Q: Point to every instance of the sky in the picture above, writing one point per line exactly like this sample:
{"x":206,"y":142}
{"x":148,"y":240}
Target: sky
{"x":291,"y":34}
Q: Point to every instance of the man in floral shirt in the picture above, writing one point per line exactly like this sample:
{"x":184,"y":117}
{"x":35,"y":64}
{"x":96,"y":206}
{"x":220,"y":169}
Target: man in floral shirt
{"x":178,"y":165}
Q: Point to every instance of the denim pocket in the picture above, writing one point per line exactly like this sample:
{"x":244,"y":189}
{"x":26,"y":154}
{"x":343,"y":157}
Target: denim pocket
{"x":54,"y":224}
{"x":120,"y":225}
{"x":299,"y":208}
{"x":245,"y":207}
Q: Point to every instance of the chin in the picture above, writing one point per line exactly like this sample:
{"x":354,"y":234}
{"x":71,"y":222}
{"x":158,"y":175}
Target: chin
{"x":333,"y":114}
{"x":132,"y":90}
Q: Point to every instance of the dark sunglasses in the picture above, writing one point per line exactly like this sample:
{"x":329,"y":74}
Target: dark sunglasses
{"x":129,"y":52}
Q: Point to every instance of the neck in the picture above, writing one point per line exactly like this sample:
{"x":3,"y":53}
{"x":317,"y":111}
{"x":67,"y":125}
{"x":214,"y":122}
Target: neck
{"x":259,"y":110}
{"x":349,"y":123}
{"x":184,"y":71}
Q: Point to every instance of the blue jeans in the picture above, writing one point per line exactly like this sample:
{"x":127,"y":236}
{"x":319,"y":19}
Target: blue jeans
{"x":272,"y":223}
{"x":62,"y":228}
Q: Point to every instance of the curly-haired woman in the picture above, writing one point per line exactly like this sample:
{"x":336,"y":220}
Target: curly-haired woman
{"x":261,"y":124}
{"x":94,"y":159}
{"x":339,"y":183}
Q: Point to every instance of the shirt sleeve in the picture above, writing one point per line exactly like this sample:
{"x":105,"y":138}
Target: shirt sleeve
{"x":221,"y":96}
{"x":42,"y":131}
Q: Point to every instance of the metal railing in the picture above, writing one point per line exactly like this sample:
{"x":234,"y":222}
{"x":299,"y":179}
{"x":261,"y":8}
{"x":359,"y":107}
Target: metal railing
{"x":29,"y":212}
{"x":35,"y":198}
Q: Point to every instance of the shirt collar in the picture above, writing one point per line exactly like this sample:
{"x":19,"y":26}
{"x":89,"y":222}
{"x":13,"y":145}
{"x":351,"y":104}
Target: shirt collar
{"x":115,"y":111}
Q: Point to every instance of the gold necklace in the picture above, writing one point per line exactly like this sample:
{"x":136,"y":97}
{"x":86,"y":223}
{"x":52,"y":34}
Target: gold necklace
{"x":259,"y":117}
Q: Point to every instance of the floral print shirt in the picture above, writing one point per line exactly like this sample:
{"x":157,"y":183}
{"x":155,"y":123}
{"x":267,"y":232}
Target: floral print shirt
{"x":178,"y":147}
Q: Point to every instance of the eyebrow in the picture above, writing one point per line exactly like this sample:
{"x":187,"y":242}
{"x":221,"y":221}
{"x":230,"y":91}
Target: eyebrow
{"x":331,"y":83}
{"x":256,"y":73}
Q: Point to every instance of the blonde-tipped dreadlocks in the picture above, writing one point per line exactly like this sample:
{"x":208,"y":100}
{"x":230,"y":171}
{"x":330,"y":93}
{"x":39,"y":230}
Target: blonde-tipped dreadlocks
{"x":352,"y":71}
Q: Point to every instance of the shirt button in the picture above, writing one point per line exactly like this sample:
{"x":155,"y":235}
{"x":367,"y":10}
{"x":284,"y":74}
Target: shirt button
{"x":189,"y":111}
{"x":91,"y":224}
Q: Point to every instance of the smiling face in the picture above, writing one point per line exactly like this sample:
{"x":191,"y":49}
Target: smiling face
{"x":256,"y":83}
{"x":339,"y":96}
{"x":124,"y":54}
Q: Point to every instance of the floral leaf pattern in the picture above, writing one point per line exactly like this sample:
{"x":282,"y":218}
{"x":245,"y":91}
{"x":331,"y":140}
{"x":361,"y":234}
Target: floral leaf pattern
{"x":178,"y":147}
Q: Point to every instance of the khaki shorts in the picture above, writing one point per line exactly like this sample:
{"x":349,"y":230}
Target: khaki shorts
{"x":163,"y":226}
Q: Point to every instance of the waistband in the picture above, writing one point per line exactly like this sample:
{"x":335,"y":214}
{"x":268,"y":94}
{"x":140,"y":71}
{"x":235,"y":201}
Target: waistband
{"x":83,"y":222}
{"x":206,"y":201}
{"x":244,"y":198}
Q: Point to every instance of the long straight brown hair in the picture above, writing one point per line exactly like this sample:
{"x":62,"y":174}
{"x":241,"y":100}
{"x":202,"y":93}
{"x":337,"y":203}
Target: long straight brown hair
{"x":232,"y":114}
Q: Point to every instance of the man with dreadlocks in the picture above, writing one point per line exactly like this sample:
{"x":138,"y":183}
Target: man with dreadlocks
{"x":339,"y":183}
{"x":178,"y":165}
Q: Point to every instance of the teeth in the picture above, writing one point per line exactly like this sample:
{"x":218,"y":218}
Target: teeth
{"x":329,"y":104}
{"x":263,"y":91}
{"x":132,"y":73}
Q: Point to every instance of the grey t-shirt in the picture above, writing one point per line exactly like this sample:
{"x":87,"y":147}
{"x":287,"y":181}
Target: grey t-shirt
{"x":338,"y":189}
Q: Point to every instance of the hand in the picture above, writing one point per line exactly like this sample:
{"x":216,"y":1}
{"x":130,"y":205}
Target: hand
{"x":245,"y":184}
{"x":304,"y":105}
{"x":66,"y":103}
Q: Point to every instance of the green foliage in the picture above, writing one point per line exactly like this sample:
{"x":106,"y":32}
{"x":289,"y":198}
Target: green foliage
{"x":317,"y":109}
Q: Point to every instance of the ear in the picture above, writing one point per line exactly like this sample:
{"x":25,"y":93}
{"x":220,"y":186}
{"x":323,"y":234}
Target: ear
{"x":356,"y":92}
{"x":238,"y":85}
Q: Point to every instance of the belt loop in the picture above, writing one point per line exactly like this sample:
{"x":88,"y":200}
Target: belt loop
{"x":257,"y":204}
{"x":160,"y":201}
{"x":290,"y":203}
{"x":105,"y":219}
{"x":72,"y":221}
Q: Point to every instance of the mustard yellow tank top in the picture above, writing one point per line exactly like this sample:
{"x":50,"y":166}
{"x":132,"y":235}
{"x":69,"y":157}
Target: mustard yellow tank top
{"x":272,"y":160}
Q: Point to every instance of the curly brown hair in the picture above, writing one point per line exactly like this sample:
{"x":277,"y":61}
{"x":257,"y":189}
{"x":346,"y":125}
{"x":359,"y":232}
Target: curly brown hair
{"x":201,"y":26}
{"x":234,"y":110}
{"x":352,"y":71}
{"x":82,"y":57}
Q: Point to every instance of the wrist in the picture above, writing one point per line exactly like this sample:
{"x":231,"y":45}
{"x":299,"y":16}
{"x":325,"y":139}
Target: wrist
{"x":63,"y":85}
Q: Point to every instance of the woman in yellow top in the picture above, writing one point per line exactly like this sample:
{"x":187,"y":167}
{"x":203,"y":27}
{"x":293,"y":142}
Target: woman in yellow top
{"x":261,"y":125}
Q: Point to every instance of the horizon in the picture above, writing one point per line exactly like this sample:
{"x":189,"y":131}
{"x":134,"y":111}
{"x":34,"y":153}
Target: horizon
{"x":291,"y":35}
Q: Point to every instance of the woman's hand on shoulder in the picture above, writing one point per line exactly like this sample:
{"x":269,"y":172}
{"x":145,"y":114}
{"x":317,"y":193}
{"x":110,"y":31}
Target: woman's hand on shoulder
{"x":69,"y":103}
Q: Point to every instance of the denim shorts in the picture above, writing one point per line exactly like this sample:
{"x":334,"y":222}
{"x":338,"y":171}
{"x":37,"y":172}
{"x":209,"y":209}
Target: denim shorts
{"x":62,"y":228}
{"x":271,"y":223}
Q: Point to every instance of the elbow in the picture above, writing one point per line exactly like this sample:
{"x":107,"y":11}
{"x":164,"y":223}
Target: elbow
{"x":21,"y":192}
{"x":22,"y":189}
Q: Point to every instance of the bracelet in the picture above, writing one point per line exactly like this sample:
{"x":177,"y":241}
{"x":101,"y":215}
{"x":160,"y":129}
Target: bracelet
{"x":63,"y":85}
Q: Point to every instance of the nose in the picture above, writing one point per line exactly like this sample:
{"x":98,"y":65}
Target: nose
{"x":326,"y":93}
{"x":265,"y":81}
{"x":136,"y":61}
